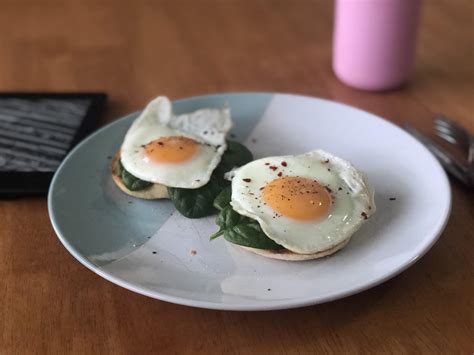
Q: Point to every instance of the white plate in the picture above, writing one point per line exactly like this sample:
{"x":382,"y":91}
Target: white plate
{"x":147,"y":247}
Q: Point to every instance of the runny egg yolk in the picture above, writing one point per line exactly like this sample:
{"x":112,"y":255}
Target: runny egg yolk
{"x":173,"y":149}
{"x":297,"y":198}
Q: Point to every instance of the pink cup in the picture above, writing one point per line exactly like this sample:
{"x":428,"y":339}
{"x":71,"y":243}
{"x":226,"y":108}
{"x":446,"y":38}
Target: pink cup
{"x":374,"y":42}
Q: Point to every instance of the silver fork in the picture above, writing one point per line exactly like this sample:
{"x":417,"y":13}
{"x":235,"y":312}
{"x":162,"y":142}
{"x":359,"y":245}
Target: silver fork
{"x":456,"y":134}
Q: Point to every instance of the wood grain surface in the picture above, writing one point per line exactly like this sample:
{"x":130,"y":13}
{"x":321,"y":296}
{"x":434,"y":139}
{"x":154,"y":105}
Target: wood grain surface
{"x":136,"y":50}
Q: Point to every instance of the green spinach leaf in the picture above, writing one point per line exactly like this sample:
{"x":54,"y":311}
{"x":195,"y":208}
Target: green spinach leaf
{"x":120,"y":168}
{"x":223,"y":199}
{"x":235,"y":155}
{"x":242,"y":230}
{"x":131,"y":182}
{"x":197,"y":203}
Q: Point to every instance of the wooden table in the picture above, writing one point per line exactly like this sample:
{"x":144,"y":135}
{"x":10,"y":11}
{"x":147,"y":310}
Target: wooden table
{"x":136,"y":50}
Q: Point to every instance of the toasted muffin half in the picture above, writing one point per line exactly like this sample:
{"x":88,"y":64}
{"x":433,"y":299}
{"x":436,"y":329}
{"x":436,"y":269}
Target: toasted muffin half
{"x":285,"y":254}
{"x":153,"y":192}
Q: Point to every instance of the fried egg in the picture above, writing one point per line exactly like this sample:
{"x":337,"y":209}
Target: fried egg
{"x":176,"y":151}
{"x":307,"y":203}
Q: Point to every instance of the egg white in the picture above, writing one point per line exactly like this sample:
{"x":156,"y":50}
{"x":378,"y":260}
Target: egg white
{"x":206,"y":126}
{"x":353,"y":200}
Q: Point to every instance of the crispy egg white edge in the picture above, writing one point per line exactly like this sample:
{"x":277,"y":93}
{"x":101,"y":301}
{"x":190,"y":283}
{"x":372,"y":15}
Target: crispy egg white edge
{"x":159,"y":111}
{"x":351,"y":176}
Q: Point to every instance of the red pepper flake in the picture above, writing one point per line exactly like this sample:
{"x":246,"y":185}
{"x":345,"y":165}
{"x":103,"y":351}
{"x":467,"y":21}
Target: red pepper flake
{"x":284,"y":163}
{"x":280,"y":173}
{"x":247,"y":180}
{"x":273,"y":167}
{"x":363,"y":214}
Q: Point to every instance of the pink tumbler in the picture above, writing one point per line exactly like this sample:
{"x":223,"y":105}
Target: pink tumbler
{"x":374,"y":42}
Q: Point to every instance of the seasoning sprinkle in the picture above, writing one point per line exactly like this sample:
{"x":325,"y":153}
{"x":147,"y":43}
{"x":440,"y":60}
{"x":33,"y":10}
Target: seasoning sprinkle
{"x":284,"y":163}
{"x":247,"y":180}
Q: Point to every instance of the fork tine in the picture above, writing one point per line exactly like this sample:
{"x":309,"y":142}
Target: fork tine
{"x":447,"y":121}
{"x":452,"y":132}
{"x":448,"y":137}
